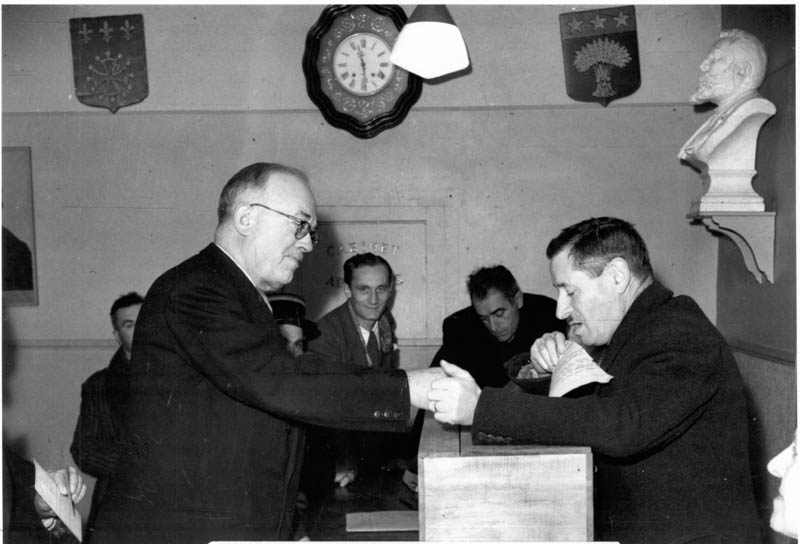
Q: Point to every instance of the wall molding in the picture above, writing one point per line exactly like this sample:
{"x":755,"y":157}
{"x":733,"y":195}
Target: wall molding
{"x":62,"y":343}
{"x":780,"y":356}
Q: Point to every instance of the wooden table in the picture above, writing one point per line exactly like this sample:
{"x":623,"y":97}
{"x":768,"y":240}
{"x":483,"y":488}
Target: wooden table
{"x":503,"y":492}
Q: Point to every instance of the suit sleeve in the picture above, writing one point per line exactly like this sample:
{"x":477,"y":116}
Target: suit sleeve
{"x":245,"y":358}
{"x":666,"y":390}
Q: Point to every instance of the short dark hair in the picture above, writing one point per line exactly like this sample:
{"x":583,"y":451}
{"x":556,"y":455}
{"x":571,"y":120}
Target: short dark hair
{"x":492,"y":277}
{"x":594,"y":242}
{"x":130,"y":299}
{"x":254,"y":176}
{"x":365,"y":259}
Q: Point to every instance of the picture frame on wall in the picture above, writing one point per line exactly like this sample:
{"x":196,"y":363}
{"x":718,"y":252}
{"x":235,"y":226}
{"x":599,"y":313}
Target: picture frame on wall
{"x":19,"y":240}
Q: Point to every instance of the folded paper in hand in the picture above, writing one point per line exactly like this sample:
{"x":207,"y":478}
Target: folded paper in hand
{"x":62,"y":505}
{"x":575,"y":368}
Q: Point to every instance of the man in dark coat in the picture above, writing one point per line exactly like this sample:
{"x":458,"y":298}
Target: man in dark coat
{"x":668,"y":432}
{"x":501,"y":322}
{"x":97,"y":441}
{"x":213,"y":451}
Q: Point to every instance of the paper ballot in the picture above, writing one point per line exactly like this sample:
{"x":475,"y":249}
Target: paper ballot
{"x":60,"y":504}
{"x":575,"y":368}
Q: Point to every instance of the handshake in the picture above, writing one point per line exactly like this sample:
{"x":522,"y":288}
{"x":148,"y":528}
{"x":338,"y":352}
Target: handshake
{"x":452,"y":395}
{"x":448,"y":391}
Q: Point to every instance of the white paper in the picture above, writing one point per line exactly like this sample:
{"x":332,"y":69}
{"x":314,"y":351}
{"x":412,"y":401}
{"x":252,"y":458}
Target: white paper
{"x":62,"y":505}
{"x":575,"y":368}
{"x":387,"y":520}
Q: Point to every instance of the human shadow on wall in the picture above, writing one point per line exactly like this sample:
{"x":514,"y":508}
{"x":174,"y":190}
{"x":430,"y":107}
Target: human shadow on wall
{"x":18,"y":444}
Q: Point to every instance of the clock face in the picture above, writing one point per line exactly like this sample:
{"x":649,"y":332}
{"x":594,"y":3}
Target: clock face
{"x":348,"y":72}
{"x":361,"y":64}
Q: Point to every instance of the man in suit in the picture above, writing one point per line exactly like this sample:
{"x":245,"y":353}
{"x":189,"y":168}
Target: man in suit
{"x":360,"y":333}
{"x":501,"y":322}
{"x":214,"y":451}
{"x":668,"y":433}
{"x":97,"y":441}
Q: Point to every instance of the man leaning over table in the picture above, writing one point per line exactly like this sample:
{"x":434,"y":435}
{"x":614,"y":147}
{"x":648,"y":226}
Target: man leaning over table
{"x":668,"y":433}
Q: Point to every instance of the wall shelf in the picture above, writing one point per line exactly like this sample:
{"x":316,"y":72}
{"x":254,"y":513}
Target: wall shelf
{"x":752,"y":232}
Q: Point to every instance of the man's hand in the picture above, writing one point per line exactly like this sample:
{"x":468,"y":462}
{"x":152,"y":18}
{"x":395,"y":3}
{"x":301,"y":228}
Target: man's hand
{"x":419,"y":383}
{"x":453,"y":399}
{"x":70,"y":484}
{"x":546,"y":351}
{"x":345,"y":476}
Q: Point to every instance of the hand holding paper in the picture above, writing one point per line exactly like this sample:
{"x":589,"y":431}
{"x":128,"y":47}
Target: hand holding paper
{"x":58,"y":492}
{"x":575,"y":368}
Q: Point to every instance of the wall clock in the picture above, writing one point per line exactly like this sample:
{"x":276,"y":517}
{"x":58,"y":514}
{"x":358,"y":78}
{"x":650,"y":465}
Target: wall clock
{"x":348,"y":73}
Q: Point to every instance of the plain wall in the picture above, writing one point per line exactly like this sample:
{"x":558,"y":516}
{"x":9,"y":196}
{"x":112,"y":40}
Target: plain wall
{"x":502,"y":151}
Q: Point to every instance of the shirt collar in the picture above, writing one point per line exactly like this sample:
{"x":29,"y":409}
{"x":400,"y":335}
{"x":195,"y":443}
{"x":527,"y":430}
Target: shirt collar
{"x":260,"y":292}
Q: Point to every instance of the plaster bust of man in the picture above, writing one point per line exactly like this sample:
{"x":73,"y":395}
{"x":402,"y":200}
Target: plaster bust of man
{"x":730,"y":76}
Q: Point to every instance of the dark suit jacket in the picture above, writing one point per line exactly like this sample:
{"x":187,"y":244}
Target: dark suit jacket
{"x":668,"y":432}
{"x":340,"y":341}
{"x":97,"y":441}
{"x":213,"y":452}
{"x":467,"y":342}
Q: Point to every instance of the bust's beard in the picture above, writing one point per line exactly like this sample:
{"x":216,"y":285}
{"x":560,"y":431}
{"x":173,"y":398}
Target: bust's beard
{"x":710,"y":90}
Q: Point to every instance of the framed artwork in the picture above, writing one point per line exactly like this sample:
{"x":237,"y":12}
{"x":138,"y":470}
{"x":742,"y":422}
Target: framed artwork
{"x":19,"y":240}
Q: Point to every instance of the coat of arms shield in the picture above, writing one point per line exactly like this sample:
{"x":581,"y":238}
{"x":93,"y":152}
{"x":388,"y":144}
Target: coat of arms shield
{"x":109,"y":61}
{"x":601,"y":54}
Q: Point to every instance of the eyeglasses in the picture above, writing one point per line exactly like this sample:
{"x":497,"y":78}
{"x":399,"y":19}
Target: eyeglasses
{"x":303,"y":226}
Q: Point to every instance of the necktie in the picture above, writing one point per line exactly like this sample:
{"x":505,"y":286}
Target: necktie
{"x":372,"y":350}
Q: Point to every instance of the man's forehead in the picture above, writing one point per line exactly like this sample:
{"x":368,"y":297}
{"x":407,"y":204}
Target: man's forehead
{"x":493,"y":301}
{"x":378,"y":271}
{"x":289,"y":195}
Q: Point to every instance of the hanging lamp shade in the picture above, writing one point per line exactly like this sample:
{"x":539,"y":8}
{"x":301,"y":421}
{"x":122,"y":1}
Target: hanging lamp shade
{"x":430,"y":44}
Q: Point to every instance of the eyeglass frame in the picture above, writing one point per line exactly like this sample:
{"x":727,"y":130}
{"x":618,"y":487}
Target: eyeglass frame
{"x":303,"y":227}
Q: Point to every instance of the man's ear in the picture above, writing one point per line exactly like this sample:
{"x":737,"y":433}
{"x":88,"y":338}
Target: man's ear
{"x":518,"y":300}
{"x":743,"y":70}
{"x":243,"y":219}
{"x":117,"y":338}
{"x":347,"y":292}
{"x":619,"y":272}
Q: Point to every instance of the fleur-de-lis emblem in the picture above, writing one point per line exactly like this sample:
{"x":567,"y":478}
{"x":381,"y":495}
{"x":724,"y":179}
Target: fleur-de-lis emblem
{"x":109,"y":61}
{"x":84,"y":33}
{"x":127,"y":30}
{"x":107,"y":31}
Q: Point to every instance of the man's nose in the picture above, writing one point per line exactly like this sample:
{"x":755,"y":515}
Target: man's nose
{"x":305,"y":243}
{"x":562,"y":308}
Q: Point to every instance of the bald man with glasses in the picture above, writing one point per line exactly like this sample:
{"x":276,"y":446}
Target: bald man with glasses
{"x":214,"y":446}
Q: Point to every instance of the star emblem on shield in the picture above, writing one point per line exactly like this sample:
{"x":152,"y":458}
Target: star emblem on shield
{"x":601,"y":54}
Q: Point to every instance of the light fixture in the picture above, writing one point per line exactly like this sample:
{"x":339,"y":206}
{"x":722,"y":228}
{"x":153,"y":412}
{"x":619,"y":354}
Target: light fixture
{"x":430,"y":44}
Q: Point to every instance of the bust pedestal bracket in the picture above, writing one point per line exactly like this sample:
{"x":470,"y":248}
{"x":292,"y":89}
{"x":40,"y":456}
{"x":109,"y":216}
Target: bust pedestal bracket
{"x":752,"y":232}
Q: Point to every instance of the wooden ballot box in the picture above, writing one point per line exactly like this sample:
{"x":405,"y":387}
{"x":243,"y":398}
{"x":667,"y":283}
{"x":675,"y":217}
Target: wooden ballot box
{"x":501,"y":492}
